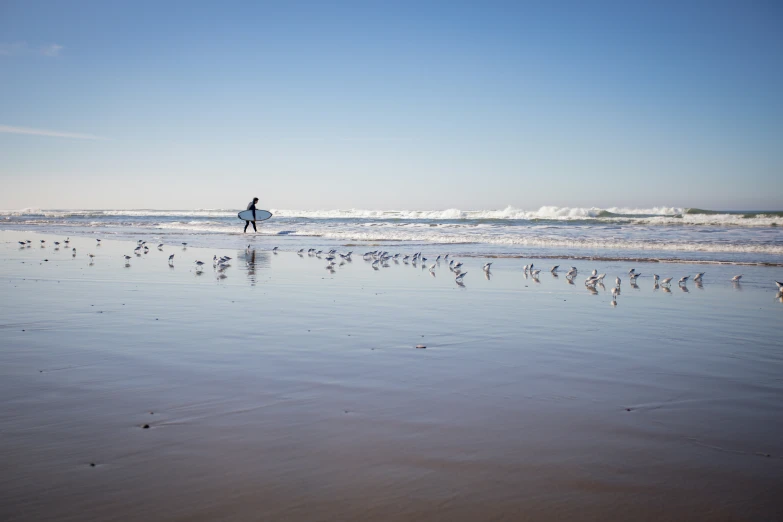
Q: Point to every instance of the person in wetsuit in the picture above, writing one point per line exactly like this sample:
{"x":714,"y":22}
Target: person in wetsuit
{"x":252,"y":206}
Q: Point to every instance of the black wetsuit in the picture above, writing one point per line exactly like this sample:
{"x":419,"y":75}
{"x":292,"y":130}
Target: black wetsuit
{"x":251,"y":206}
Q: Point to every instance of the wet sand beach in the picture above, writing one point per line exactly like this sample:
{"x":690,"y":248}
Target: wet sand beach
{"x":278,"y":390}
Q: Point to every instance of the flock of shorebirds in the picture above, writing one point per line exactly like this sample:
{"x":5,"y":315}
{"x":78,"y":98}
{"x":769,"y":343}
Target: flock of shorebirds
{"x":381,"y":259}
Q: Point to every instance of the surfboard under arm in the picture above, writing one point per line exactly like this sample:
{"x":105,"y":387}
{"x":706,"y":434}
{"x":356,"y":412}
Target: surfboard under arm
{"x":261,"y":215}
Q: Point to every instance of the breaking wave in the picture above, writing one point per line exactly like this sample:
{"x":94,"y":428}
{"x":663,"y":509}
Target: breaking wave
{"x":642,"y":216}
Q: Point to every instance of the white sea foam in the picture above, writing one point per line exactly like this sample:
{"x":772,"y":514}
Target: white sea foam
{"x":497,"y":236}
{"x":559,"y":242}
{"x":509,"y":213}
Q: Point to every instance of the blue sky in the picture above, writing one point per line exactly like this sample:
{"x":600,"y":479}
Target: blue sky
{"x":391,"y":104}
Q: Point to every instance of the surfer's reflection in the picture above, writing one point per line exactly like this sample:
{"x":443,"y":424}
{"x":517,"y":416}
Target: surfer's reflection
{"x":253,"y":262}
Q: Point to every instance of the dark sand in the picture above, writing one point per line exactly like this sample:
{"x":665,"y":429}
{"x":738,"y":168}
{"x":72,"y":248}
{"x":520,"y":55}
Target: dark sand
{"x":284,"y":392}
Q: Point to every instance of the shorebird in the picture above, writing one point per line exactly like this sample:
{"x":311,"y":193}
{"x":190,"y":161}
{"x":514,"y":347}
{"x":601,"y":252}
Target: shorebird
{"x":780,"y":285}
{"x":486,"y":267}
{"x":736,"y":278}
{"x":667,"y":281}
{"x":631,"y":271}
{"x":615,"y":293}
{"x":617,"y":281}
{"x":22,"y":243}
{"x":274,"y":250}
{"x":460,"y":276}
{"x":554,"y":268}
{"x":91,"y":256}
{"x":43,"y":242}
{"x":683,"y":280}
{"x":67,"y":240}
{"x":160,"y":246}
{"x":127,"y":259}
{"x":199,"y":264}
{"x":535,"y":273}
{"x":98,"y":241}
{"x":432,"y":267}
{"x":601,"y":278}
{"x":698,"y":277}
{"x":656,"y":277}
{"x":594,"y":272}
{"x":171,"y":258}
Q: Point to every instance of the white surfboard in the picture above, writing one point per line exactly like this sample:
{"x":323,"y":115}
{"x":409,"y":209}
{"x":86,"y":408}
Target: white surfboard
{"x":261,"y":215}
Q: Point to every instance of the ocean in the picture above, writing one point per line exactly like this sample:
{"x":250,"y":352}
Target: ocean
{"x":663,"y":234}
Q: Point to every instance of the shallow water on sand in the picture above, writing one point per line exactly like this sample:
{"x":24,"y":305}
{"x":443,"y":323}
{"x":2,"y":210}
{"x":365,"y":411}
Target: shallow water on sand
{"x":283,"y":391}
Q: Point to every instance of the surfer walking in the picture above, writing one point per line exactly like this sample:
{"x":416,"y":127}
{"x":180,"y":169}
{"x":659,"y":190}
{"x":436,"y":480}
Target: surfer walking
{"x":252,"y":206}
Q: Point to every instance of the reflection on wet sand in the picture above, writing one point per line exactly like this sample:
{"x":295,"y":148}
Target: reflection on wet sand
{"x":253,"y":261}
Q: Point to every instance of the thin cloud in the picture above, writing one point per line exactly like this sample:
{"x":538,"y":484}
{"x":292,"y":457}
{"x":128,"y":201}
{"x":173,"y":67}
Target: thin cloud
{"x":22,"y":48}
{"x":8,"y":129}
{"x":51,"y":50}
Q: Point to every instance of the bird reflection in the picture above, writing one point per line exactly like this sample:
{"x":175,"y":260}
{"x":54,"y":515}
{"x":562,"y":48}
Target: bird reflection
{"x":666,"y":289}
{"x":684,"y":289}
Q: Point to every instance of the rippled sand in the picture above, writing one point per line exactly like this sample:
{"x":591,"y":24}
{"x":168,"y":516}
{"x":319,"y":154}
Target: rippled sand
{"x":285,"y":392}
